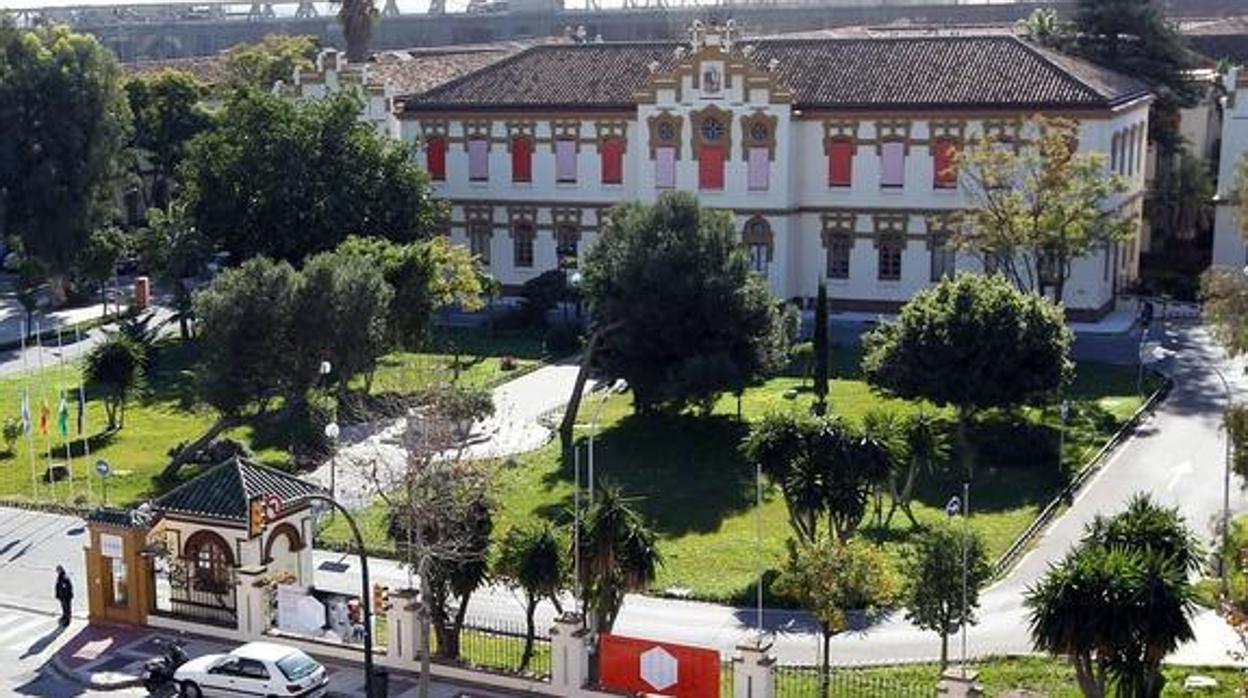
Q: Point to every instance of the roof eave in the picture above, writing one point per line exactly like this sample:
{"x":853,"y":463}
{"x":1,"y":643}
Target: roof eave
{"x":418,"y":107}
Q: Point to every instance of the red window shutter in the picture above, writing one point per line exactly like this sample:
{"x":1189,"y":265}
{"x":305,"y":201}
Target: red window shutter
{"x":945,"y":174}
{"x":841,"y":163}
{"x":521,"y":160}
{"x":612,"y":162}
{"x":435,"y":158}
{"x":711,"y":167}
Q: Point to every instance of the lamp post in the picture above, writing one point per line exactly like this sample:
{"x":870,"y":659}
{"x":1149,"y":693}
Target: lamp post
{"x":962,"y":507}
{"x":370,"y":684}
{"x":331,"y":432}
{"x":614,"y":388}
{"x":1061,"y":434}
{"x":1224,"y":528}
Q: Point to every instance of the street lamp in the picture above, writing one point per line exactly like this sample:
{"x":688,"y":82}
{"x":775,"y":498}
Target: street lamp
{"x":1226,"y":477}
{"x":616,"y":387}
{"x":371,"y":688}
{"x":962,"y":507}
{"x":1061,"y":434}
{"x":331,"y":432}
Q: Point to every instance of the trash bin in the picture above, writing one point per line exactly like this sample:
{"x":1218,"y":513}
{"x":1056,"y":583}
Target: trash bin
{"x":142,"y":293}
{"x":381,"y":683}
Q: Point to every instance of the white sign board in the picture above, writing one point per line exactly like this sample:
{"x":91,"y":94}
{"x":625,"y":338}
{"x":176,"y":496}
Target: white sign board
{"x":111,"y":546}
{"x":298,"y":611}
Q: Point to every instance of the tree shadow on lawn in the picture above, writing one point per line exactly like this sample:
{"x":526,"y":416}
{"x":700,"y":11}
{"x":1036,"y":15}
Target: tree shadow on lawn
{"x":172,"y":377}
{"x":683,"y":471}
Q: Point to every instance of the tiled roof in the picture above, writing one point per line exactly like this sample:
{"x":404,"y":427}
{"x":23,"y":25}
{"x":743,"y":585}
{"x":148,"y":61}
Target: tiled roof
{"x":112,"y":517}
{"x":206,"y":69}
{"x":224,"y":491}
{"x":994,"y":70}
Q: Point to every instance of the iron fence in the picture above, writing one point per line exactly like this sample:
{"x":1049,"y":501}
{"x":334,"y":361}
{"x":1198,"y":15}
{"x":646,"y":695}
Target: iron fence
{"x":804,"y":682}
{"x":211,"y":607}
{"x":498,"y":645}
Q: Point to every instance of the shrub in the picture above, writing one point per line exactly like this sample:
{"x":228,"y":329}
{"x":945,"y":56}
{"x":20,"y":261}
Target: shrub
{"x":541,"y":294}
{"x":12,"y":432}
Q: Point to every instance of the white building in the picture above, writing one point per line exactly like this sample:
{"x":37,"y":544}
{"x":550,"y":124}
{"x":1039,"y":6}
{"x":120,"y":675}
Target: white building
{"x":1230,"y":248}
{"x":332,"y":74}
{"x":831,"y":152}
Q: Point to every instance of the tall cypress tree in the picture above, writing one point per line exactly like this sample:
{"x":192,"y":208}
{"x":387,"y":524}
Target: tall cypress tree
{"x":821,"y":350}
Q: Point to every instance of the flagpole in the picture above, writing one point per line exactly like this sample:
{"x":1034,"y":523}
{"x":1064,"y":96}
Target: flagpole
{"x":26,"y":425}
{"x":43,"y":409}
{"x":62,"y":419}
{"x":82,"y":417}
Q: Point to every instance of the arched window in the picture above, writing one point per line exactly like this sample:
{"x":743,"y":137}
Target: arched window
{"x":210,"y":562}
{"x":757,"y":239}
{"x":711,"y":154}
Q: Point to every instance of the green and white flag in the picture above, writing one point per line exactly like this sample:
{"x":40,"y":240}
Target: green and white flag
{"x":62,"y":417}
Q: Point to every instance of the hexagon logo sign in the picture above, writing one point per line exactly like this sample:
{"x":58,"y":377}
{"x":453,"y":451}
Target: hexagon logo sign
{"x":659,"y":668}
{"x":635,"y":665}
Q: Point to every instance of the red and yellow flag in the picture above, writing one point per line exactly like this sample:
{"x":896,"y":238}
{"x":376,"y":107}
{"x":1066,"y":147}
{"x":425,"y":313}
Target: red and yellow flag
{"x":45,"y":413}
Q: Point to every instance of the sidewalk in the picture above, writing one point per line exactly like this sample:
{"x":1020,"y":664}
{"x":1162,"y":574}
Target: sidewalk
{"x":108,"y":657}
{"x":515,"y":428}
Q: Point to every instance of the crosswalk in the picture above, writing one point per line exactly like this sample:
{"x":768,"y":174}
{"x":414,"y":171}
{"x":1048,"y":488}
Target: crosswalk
{"x":22,"y":630}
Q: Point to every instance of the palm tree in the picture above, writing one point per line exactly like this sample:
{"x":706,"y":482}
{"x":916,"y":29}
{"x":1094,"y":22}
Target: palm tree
{"x":1120,"y":602}
{"x":619,"y":553}
{"x":529,"y":558}
{"x":882,"y":451}
{"x":357,"y":17}
{"x":926,"y":444}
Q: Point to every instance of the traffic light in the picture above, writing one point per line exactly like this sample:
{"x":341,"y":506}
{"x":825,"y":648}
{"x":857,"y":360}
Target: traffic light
{"x":255,"y":517}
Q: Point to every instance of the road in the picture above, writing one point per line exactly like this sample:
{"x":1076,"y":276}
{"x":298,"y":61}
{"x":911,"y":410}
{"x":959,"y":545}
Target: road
{"x":1176,"y":456}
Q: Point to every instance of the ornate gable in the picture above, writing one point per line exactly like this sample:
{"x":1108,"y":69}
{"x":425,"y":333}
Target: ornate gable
{"x":714,"y":67}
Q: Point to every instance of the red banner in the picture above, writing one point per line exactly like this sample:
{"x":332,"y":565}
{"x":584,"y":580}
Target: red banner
{"x":644,"y":666}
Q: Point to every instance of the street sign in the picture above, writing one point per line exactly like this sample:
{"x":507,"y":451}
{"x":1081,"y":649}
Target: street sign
{"x":954,"y":507}
{"x":103,"y":468}
{"x":272,"y":508}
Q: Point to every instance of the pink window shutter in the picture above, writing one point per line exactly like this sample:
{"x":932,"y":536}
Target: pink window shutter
{"x":759,"y":169}
{"x":893,"y":165}
{"x":565,"y":161}
{"x":478,"y":160}
{"x":665,"y":168}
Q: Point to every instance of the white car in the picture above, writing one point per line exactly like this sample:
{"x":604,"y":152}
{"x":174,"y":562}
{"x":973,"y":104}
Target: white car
{"x":260,"y":669}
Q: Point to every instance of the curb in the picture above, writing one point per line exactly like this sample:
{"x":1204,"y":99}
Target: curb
{"x":1046,"y":515}
{"x":57,"y":666}
{"x":73,"y":510}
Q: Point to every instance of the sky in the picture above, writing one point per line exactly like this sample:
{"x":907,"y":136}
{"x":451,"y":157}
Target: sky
{"x":242,"y":7}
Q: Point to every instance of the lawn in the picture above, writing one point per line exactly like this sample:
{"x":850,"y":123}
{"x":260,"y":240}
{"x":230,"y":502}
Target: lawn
{"x":164,"y":415}
{"x":685,"y":474}
{"x":1042,"y":675}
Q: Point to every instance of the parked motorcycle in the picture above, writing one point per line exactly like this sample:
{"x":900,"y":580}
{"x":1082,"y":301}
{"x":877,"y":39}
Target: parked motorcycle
{"x":158,"y":671}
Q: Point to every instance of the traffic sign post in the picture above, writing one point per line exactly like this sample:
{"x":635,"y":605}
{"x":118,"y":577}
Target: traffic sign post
{"x":104,"y":470}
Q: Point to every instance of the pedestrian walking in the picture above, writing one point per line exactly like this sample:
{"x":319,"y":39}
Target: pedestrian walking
{"x":64,"y":593}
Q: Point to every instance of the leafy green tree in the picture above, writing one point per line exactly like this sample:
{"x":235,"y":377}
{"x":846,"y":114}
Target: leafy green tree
{"x":619,"y":554}
{"x":1183,"y":198}
{"x":831,"y":578}
{"x":172,"y":249}
{"x":926,"y":445}
{"x":933,"y":572}
{"x":974,"y":342}
{"x":357,"y":18}
{"x":444,"y":520}
{"x":883,"y":453}
{"x":1120,"y":602}
{"x":64,"y":118}
{"x":1036,"y":210}
{"x":1044,"y":27}
{"x":97,"y":262}
{"x":342,"y":306}
{"x":114,"y":368}
{"x":249,"y":358}
{"x":276,"y":57}
{"x":821,"y":350}
{"x":426,"y":277}
{"x":1134,"y":37}
{"x":531,"y":558}
{"x":688,"y":319}
{"x":291,"y":178}
{"x":168,"y":112}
